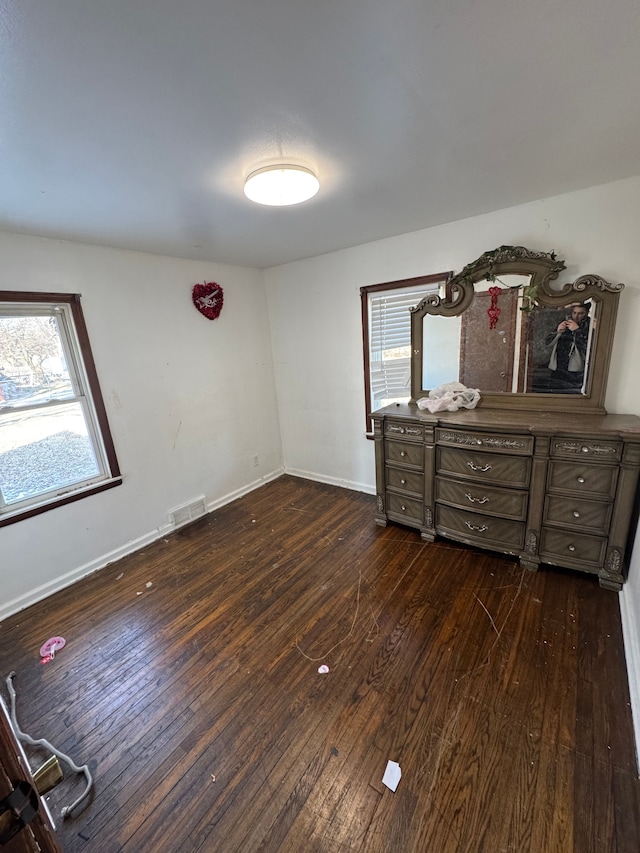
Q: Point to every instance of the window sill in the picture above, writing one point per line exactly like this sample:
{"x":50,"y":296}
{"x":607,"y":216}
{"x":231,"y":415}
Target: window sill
{"x":28,"y":512}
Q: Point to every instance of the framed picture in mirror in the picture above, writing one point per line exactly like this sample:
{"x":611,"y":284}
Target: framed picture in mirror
{"x":503,"y":326}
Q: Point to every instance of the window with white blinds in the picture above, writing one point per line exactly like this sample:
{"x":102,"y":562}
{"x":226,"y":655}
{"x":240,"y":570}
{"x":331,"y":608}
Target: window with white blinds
{"x":386,"y":334}
{"x":390,"y":344}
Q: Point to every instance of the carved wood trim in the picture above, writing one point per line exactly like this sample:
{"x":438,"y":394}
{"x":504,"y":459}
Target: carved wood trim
{"x":531,"y":544}
{"x":466,"y":439}
{"x":594,"y":449}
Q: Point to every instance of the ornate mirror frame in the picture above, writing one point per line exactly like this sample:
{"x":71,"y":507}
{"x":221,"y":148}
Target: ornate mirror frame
{"x":543,"y":267}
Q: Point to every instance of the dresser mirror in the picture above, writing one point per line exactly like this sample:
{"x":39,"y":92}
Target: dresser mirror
{"x":506,"y":326}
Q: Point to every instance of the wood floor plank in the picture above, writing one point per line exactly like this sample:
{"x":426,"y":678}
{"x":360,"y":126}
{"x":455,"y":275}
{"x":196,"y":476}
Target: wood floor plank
{"x":198,"y":702}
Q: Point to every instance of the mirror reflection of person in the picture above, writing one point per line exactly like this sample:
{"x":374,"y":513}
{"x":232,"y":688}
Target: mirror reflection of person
{"x":569,"y":349}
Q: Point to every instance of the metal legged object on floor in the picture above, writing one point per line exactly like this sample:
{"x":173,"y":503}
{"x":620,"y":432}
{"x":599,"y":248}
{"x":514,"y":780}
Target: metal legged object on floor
{"x":25,"y":738}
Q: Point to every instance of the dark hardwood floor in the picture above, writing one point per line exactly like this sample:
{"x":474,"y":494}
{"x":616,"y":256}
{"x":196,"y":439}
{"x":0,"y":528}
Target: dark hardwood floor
{"x":199,"y":706}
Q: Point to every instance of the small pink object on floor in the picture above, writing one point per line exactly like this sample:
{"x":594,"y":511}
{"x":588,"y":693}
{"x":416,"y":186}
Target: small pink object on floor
{"x":49,"y":649}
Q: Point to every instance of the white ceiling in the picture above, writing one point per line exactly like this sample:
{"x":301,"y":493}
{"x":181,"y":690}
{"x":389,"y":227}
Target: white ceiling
{"x":132,"y":123}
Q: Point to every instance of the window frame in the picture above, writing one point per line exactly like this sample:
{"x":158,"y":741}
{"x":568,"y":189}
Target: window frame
{"x":98,"y":425}
{"x":404,"y":283}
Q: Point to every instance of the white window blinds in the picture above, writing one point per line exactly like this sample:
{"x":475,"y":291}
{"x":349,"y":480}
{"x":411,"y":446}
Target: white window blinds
{"x":390,"y":343}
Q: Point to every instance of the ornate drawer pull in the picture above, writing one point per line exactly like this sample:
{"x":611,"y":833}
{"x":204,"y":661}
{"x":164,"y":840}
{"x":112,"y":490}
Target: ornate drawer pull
{"x":584,"y":449}
{"x":478,"y":467}
{"x":572,"y":547}
{"x":403,"y":453}
{"x":403,"y":482}
{"x":403,"y":508}
{"x":576,"y":514}
{"x":581,"y":480}
{"x":475,"y":500}
{"x":473,"y":527}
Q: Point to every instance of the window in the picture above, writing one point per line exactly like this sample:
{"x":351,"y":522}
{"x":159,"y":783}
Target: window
{"x":55,"y":443}
{"x":386,"y":335}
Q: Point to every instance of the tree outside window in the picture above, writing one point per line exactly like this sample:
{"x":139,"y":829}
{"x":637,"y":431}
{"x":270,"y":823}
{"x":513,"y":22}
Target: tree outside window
{"x":55,"y":443}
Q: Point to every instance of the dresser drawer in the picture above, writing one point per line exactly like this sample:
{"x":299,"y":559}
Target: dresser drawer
{"x":409,"y":510}
{"x":404,"y":452}
{"x":507,"y":503}
{"x":568,"y":548}
{"x":405,"y":481}
{"x":400,"y":428}
{"x":515,"y":444}
{"x":479,"y":529}
{"x":593,"y":516}
{"x":570,"y":448}
{"x":484,"y":467}
{"x":583,"y":478}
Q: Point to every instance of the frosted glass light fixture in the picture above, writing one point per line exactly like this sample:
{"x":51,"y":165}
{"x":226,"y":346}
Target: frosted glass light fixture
{"x":281,"y":185}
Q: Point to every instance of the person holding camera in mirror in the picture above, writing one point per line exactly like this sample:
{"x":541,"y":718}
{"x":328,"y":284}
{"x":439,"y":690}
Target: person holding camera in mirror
{"x":569,"y":349}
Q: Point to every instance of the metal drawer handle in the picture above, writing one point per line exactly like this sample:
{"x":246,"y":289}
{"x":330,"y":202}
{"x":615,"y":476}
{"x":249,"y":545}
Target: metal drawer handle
{"x":572,"y":547}
{"x":475,"y":500}
{"x":478,"y":467}
{"x":576,"y":514}
{"x":473,"y":527}
{"x":402,"y":453}
{"x":403,"y":508}
{"x":403,"y":482}
{"x":584,"y":449}
{"x":581,"y":480}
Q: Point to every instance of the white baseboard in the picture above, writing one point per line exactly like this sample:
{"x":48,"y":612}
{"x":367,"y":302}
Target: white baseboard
{"x":244,"y":490}
{"x":331,"y":481}
{"x":74,"y":575}
{"x":103,"y":560}
{"x":631,"y":634}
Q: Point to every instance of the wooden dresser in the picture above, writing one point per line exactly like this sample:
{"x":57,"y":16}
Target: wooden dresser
{"x":546,"y":487}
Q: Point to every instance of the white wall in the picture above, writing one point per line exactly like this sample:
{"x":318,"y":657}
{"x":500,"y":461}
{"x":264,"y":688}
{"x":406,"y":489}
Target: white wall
{"x":190,"y":402}
{"x":314,"y":308}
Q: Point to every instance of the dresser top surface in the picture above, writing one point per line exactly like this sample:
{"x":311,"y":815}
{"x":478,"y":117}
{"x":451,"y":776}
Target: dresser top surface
{"x":545,"y":423}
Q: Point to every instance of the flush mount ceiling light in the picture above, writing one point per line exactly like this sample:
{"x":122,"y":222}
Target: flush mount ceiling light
{"x":281,"y":185}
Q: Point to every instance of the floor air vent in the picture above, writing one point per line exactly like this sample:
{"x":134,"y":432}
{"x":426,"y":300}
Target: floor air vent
{"x":188,"y":512}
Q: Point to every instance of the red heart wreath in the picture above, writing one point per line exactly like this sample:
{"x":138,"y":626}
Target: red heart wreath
{"x":208,"y":299}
